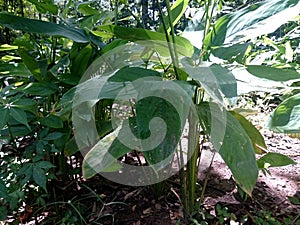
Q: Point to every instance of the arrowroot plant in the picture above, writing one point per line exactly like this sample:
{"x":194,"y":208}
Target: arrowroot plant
{"x":129,"y":90}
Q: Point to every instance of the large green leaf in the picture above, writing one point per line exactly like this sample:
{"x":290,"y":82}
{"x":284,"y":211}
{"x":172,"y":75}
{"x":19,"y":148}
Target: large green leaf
{"x":177,"y":10}
{"x":215,"y":79}
{"x":232,"y":142}
{"x":250,"y":22}
{"x":271,"y":73}
{"x":233,"y":52}
{"x":273,"y":159}
{"x":257,"y":139}
{"x":88,"y":93}
{"x":42,"y":27}
{"x":164,"y":133}
{"x":103,"y":156}
{"x":158,"y":40}
{"x":286,"y":117}
{"x":132,"y":73}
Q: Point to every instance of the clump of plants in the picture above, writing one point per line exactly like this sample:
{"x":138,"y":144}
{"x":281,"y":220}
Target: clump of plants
{"x":62,"y":80}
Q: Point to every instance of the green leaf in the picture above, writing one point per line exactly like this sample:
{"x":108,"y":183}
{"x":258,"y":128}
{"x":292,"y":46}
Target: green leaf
{"x":14,"y":69}
{"x":39,"y":177}
{"x":294,"y":200}
{"x":81,"y":62}
{"x":40,"y":88}
{"x":38,"y":68}
{"x":286,"y":117}
{"x":252,"y":21}
{"x":53,"y":136}
{"x":272,"y":73}
{"x":7,"y":47}
{"x":231,"y":52}
{"x":3,"y":213}
{"x":20,"y":116}
{"x":257,"y":139}
{"x":215,"y":79}
{"x":44,"y":165}
{"x":86,"y":9}
{"x":132,"y":73}
{"x":26,"y":104}
{"x":44,"y":7}
{"x":103,"y":156}
{"x":217,"y":36}
{"x":42,"y":27}
{"x":156,"y":128}
{"x":177,"y":10}
{"x":27,"y":171}
{"x":3,"y":190}
{"x":16,"y":131}
{"x":51,"y":121}
{"x":273,"y":159}
{"x":71,"y":147}
{"x":154,"y":107}
{"x":4,"y":112}
{"x":158,"y":39}
{"x":232,"y":142}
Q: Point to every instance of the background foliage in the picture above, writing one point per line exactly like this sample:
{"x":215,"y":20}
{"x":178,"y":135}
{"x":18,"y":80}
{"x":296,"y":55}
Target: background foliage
{"x":46,"y":47}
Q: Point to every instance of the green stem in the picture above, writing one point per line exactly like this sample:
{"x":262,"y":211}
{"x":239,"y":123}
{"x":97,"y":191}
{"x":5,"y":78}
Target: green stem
{"x":192,"y":172}
{"x":172,"y":52}
{"x":172,"y":34}
{"x":116,"y":12}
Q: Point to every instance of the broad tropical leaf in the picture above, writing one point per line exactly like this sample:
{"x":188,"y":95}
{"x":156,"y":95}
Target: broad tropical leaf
{"x":286,"y":117}
{"x":158,"y":39}
{"x":42,"y":27}
{"x":272,"y":73}
{"x":232,"y":142}
{"x":215,"y":79}
{"x":257,"y":139}
{"x":103,"y":156}
{"x":250,"y":22}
